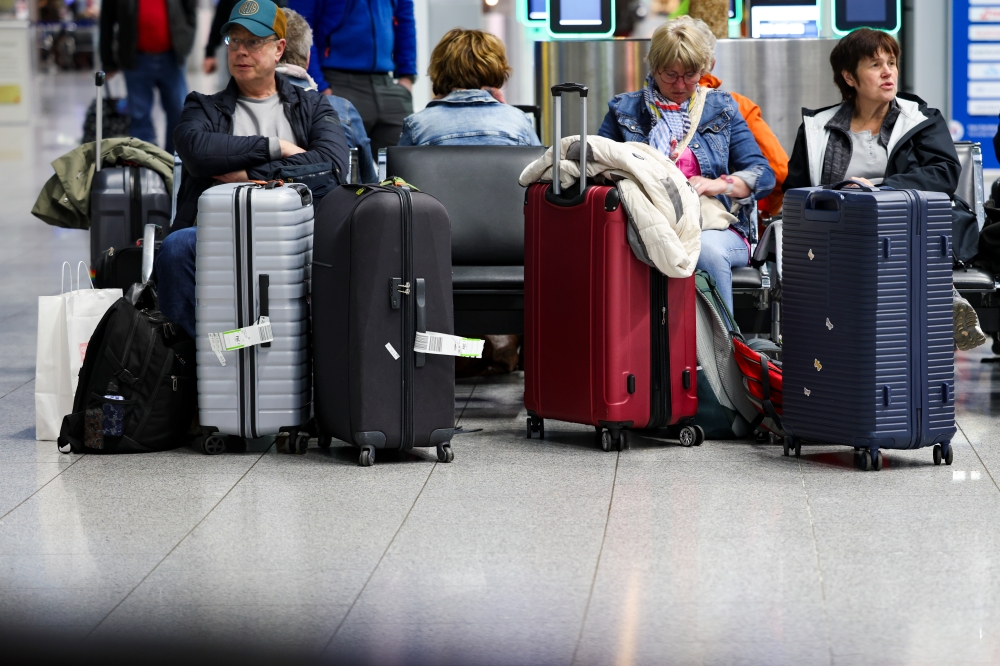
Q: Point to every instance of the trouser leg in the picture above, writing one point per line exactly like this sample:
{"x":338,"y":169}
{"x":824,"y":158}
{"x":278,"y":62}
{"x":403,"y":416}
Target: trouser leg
{"x":140,"y":83}
{"x":175,"y":282}
{"x":720,"y":251}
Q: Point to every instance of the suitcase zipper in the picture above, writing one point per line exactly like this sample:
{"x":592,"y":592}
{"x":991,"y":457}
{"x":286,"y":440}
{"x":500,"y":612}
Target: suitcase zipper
{"x":409,"y":328}
{"x":249,"y":317}
{"x":659,"y":408}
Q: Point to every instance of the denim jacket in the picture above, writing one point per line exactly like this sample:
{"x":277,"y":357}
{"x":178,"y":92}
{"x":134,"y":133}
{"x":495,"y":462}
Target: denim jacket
{"x":468,"y":117}
{"x":723,"y":143}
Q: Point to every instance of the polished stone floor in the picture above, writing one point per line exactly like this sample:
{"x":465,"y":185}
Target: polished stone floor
{"x":519,"y":552}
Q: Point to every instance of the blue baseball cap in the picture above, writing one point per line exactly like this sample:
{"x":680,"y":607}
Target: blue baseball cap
{"x":261,"y":17}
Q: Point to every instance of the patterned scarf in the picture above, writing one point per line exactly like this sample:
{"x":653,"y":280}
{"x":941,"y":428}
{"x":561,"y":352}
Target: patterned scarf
{"x":664,"y":136}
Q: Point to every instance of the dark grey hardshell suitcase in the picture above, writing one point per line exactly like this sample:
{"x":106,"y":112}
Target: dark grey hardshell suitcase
{"x":868,"y":350}
{"x":123,"y":200}
{"x":381,"y":272}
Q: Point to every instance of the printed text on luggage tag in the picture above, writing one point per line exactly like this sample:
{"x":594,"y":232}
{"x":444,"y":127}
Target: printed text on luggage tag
{"x":447,"y":345}
{"x":240,"y":338}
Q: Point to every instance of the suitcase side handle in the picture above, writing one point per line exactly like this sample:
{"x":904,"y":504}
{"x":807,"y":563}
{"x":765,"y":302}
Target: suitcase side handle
{"x":852,"y":184}
{"x":823,"y":206}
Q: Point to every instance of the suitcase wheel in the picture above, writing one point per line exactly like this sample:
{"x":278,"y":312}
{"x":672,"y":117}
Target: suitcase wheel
{"x":864,"y":461}
{"x":445,"y":454}
{"x":792,"y":446}
{"x":213,"y":445}
{"x":689,"y":436}
{"x":292,"y":441}
{"x":700,"y":439}
{"x":324,"y":442}
{"x":943,"y":452}
{"x":536,"y":424}
{"x":610,"y":442}
{"x":367,"y":457}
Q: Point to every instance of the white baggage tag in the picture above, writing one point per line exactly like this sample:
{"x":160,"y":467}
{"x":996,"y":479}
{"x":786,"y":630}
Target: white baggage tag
{"x":447,"y":345}
{"x":240,"y":338}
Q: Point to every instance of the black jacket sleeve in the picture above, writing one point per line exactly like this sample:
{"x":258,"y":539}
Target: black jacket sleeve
{"x":327,"y":142}
{"x":222,"y":12}
{"x":798,"y":163}
{"x":207,"y":153}
{"x":932,"y":165}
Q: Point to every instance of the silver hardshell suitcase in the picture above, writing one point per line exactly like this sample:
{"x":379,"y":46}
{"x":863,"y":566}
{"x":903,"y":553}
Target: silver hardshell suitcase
{"x":254,"y":257}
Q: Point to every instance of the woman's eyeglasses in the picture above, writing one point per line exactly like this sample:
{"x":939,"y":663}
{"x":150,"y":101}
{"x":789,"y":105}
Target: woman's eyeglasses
{"x":689,"y":77}
{"x":253,"y":45}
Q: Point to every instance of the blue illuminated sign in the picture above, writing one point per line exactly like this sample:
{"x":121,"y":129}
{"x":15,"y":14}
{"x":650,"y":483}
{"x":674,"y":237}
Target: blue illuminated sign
{"x":975,"y":74}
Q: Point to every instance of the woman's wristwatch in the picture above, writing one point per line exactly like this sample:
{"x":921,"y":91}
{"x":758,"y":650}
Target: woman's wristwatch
{"x":729,"y":184}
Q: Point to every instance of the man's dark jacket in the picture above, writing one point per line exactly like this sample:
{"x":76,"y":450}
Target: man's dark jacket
{"x":923,"y":159}
{"x":118,"y":45}
{"x":207,"y":147}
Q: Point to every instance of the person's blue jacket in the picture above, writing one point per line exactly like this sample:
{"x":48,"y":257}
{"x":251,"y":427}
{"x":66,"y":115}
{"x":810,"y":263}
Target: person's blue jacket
{"x":365,"y":36}
{"x":723,"y":143}
{"x":468,"y":117}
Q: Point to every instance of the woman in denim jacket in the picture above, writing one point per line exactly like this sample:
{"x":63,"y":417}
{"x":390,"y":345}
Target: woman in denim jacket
{"x":467,"y":70}
{"x":720,"y":158}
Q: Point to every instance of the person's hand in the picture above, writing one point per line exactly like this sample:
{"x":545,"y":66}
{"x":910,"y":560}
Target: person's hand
{"x":234,"y":177}
{"x":288,"y":149}
{"x":328,"y":91}
{"x":707,"y":186}
{"x":496,"y":93}
{"x":863,"y":181}
{"x":406,"y":82}
{"x":210,"y":65}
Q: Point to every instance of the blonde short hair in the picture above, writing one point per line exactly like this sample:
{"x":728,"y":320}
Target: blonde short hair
{"x":681,"y":40}
{"x":468,"y":59}
{"x":298,"y":39}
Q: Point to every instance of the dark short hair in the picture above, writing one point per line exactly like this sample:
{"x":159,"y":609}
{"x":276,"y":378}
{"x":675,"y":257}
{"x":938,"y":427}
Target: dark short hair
{"x":862,"y":43}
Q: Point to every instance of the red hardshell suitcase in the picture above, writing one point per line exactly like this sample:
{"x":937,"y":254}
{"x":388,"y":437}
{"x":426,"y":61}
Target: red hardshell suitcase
{"x":609,"y":341}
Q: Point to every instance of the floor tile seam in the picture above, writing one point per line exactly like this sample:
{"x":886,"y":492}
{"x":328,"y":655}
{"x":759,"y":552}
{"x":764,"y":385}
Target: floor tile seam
{"x":172,"y":549}
{"x":597,"y":565}
{"x":42,"y":487}
{"x":819,"y":566}
{"x":381,"y":558}
{"x":15,"y":390}
{"x":465,"y":406}
{"x":976,"y":451}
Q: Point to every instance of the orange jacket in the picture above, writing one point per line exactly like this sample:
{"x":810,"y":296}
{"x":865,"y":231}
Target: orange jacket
{"x":768,"y":142}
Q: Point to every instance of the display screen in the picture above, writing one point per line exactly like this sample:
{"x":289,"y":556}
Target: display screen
{"x":879,"y":14}
{"x":732,"y":8}
{"x":784,"y":21}
{"x":580,"y":12}
{"x":536,"y":10}
{"x":574,"y":19}
{"x":864,"y":11}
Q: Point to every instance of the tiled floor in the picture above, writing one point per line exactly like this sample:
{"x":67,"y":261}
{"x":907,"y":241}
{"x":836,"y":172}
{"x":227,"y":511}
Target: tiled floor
{"x":519,"y":552}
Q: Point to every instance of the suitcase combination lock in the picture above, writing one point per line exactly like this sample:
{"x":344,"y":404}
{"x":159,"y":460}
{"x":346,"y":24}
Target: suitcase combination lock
{"x":397,"y":287}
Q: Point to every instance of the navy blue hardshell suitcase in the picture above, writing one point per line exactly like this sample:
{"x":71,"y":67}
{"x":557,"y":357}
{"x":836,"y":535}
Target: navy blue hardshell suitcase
{"x":868,"y":350}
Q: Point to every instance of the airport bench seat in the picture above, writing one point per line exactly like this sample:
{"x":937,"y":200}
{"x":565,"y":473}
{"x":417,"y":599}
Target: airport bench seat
{"x":478,"y":187}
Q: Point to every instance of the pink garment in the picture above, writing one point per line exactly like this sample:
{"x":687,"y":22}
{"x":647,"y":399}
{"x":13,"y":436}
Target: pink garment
{"x":688,"y":164}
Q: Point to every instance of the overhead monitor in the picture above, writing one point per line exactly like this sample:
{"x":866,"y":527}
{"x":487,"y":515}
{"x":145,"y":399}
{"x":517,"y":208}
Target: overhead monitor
{"x":784,"y":19}
{"x":850,"y":15}
{"x":581,"y":18}
{"x":735,"y":11}
{"x":532,"y":13}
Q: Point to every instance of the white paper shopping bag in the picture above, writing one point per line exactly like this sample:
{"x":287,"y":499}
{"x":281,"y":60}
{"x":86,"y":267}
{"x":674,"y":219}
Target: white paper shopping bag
{"x":65,"y":326}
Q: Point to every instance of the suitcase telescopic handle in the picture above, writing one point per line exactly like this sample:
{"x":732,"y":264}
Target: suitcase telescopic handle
{"x":99,"y":79}
{"x":557,"y":91}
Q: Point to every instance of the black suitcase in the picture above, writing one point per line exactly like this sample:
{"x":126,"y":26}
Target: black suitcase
{"x":382,"y":272}
{"x":123,"y":200}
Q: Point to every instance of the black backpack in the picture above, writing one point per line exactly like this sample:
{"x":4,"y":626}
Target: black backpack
{"x":137,"y":389}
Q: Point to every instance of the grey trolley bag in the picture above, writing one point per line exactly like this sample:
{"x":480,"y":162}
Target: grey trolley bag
{"x":252,"y":279}
{"x":123,"y":200}
{"x":868,"y":348}
{"x":382,"y":273}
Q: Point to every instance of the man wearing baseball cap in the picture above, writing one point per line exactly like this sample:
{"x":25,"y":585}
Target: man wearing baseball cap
{"x":254,"y":129}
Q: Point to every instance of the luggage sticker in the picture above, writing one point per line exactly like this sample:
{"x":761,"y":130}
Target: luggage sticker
{"x":392,"y":350}
{"x":817,"y":364}
{"x":829,"y":326}
{"x":806,"y":391}
{"x":240,"y":338}
{"x":447,"y":345}
{"x":810,"y":254}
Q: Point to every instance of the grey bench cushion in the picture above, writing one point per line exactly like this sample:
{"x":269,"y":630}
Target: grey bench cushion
{"x":507,"y":278}
{"x":746,"y":277}
{"x":973,"y":279}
